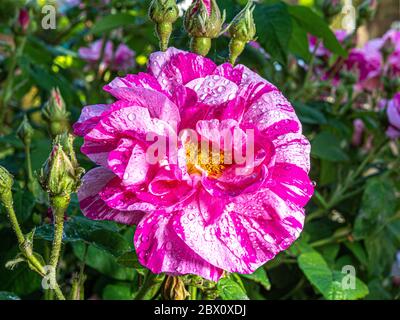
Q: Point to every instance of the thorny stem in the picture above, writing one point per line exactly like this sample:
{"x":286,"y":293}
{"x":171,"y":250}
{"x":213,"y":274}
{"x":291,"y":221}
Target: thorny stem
{"x":58,"y":233}
{"x":23,"y":244}
{"x":8,"y":204}
{"x":59,"y":205}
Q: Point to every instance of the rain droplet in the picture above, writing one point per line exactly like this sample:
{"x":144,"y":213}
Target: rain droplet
{"x":314,"y":183}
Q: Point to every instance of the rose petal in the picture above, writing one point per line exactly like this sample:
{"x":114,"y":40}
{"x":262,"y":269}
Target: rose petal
{"x":129,"y":162}
{"x":89,"y":117}
{"x":250,"y":230}
{"x":94,"y":207}
{"x":161,"y":250}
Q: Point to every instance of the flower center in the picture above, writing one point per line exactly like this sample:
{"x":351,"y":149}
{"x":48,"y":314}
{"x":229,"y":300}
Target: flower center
{"x":204,"y":159}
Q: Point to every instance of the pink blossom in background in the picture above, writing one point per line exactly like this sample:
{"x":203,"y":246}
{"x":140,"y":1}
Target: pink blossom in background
{"x":391,"y":40}
{"x":321,"y":50}
{"x":322,"y":68}
{"x":124,"y":58}
{"x":120,"y":60}
{"x":192,"y":217}
{"x":258,"y":47}
{"x":366,"y":62}
{"x":358,"y":131}
{"x":393,"y":114}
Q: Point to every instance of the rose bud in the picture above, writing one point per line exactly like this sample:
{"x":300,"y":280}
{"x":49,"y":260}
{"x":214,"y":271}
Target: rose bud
{"x":56,"y":114}
{"x":23,"y":20}
{"x":203,"y":22}
{"x":25,"y":131}
{"x":174,"y":289}
{"x":242,"y":30}
{"x":163,"y":13}
{"x":60,"y":175}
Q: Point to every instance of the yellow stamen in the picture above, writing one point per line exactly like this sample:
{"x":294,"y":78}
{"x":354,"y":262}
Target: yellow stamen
{"x":207,"y":160}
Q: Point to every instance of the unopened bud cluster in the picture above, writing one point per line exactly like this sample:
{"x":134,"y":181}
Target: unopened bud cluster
{"x":203,"y":21}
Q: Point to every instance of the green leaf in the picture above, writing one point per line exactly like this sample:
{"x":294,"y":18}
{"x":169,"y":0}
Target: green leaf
{"x":316,"y":270}
{"x":103,"y":262}
{"x":326,"y":146}
{"x":328,"y":173}
{"x":101,"y":234}
{"x":329,"y":283}
{"x":274,"y":29}
{"x":299,"y":42}
{"x":309,"y":115}
{"x":378,"y":223}
{"x":111,"y":22}
{"x":4,"y":295}
{"x":314,"y":24}
{"x":24,"y":202}
{"x":259,"y":276}
{"x":330,"y":252}
{"x":377,"y":291}
{"x":378,"y":205}
{"x":130,"y":260}
{"x":21,"y":280}
{"x":231,"y":290}
{"x":340,"y":292}
{"x":357,"y":249}
{"x":117,"y":292}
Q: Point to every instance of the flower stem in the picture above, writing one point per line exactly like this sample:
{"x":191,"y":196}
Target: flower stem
{"x":23,"y":245}
{"x":151,"y":287}
{"x":193,"y":292}
{"x":29,"y":166}
{"x":59,"y":205}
